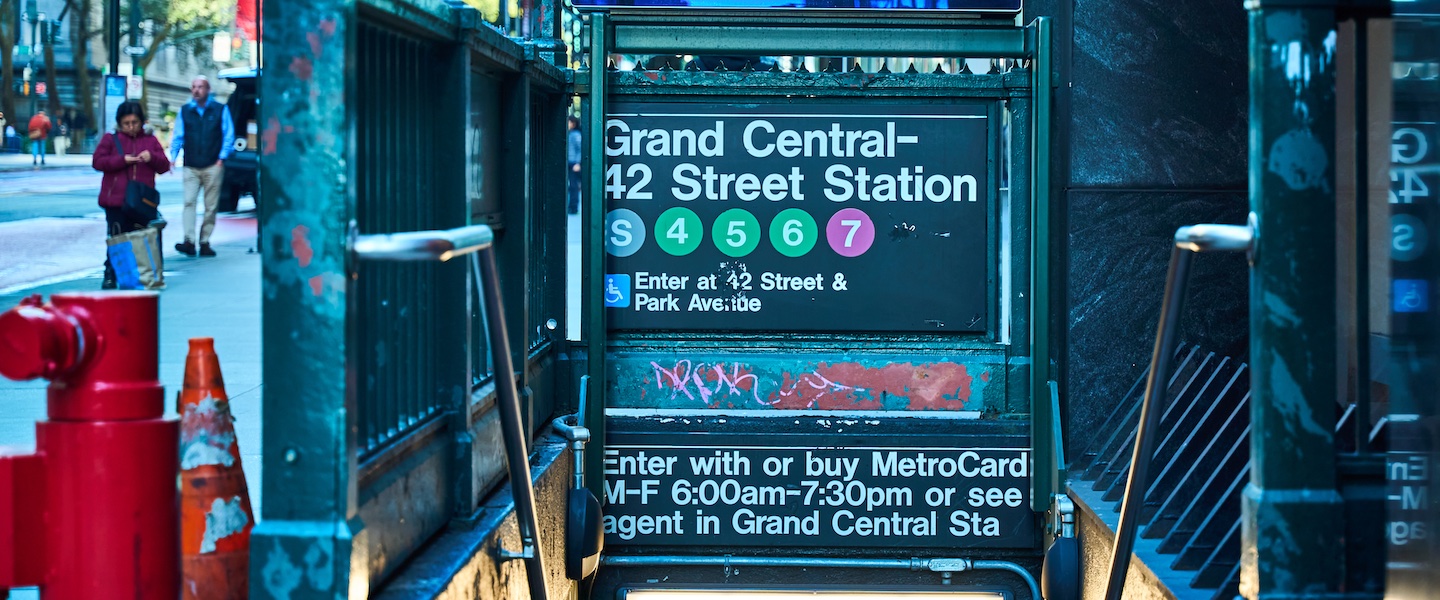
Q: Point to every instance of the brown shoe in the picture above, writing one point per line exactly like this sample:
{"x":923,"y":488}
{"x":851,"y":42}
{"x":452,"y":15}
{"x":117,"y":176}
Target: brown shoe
{"x":186,"y":247}
{"x":205,"y":250}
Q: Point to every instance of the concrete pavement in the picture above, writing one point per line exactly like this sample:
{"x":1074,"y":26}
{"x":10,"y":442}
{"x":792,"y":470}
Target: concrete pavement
{"x":206,"y":297}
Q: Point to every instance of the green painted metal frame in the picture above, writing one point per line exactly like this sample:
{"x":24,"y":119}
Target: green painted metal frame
{"x":1030,"y":105}
{"x":1291,"y":507}
{"x":326,"y":509}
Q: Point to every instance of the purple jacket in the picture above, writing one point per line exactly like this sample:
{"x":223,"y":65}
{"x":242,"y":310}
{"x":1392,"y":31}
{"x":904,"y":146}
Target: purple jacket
{"x":111,"y":162}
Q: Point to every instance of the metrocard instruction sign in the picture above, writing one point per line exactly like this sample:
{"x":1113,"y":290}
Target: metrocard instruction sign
{"x":858,"y":216}
{"x":788,"y":496}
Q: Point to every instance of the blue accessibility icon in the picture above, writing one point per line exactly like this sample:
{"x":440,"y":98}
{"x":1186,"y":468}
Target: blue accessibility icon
{"x":1411,"y":295}
{"x":617,"y":291}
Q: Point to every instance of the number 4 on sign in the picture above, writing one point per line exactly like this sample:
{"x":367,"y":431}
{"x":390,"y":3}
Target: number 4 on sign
{"x":677,"y":232}
{"x":615,"y":185}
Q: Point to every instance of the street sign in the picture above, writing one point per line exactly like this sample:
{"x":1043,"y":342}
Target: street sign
{"x":135,"y":87}
{"x":135,"y":50}
{"x":798,"y":217}
{"x":40,"y":88}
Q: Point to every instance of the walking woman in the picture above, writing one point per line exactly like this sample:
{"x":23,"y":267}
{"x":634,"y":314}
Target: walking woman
{"x":128,"y":153}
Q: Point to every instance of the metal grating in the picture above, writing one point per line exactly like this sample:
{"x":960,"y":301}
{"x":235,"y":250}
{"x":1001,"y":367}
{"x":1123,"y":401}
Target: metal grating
{"x":1201,"y":465}
{"x":396,"y":188}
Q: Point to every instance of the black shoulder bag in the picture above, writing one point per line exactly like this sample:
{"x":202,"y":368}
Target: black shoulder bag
{"x":142,"y":202}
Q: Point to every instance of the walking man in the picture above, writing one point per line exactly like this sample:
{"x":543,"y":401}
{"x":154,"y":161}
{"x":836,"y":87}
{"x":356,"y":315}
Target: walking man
{"x":573,"y":140}
{"x":39,"y":131}
{"x":207,"y":135}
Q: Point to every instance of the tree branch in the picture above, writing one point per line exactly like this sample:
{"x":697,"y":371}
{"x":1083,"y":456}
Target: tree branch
{"x":156,"y":41}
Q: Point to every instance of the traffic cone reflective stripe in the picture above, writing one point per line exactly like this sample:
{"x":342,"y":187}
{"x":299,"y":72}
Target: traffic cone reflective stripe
{"x":215,"y":514}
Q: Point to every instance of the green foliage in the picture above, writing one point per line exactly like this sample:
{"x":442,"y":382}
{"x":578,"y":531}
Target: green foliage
{"x":186,"y":23}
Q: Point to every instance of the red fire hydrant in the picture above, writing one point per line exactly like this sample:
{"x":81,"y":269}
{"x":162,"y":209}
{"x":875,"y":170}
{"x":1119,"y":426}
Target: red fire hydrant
{"x":94,"y":512}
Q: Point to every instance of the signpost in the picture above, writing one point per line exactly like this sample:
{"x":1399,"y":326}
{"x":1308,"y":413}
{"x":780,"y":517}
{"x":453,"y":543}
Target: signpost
{"x":852,"y":216}
{"x":115,"y":89}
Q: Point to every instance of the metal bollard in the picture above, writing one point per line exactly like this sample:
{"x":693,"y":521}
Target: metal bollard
{"x":94,"y":512}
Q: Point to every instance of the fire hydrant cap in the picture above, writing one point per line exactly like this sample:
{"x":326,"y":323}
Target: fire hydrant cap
{"x":30,"y":346}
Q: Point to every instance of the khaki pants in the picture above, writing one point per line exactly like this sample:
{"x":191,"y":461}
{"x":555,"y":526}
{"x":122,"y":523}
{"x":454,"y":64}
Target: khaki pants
{"x":196,"y":179}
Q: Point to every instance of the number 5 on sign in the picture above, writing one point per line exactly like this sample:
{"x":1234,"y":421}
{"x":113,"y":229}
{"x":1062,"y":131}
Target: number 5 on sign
{"x":736,"y":232}
{"x":793,"y":232}
{"x":850,"y":232}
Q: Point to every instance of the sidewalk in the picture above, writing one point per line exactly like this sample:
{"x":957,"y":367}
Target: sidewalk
{"x":21,"y":162}
{"x":206,"y":297}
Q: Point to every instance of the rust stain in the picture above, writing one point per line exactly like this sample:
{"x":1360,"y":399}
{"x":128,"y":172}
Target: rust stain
{"x":985,"y":377}
{"x":315,"y":47}
{"x":327,"y":27}
{"x":935,"y":386}
{"x":302,"y":68}
{"x":300,"y":245}
{"x":271,"y":135}
{"x":652,"y":76}
{"x":317,"y":285}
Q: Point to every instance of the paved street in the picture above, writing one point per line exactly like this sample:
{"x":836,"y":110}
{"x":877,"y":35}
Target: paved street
{"x":51,"y":241}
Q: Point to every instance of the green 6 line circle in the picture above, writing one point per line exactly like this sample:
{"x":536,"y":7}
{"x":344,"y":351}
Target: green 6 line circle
{"x":793,"y":232}
{"x":678,"y":231}
{"x":736,"y":232}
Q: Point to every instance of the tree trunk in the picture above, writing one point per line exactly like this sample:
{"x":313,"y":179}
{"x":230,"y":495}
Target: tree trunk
{"x":143,"y":62}
{"x":84,"y":88}
{"x":7,"y":65}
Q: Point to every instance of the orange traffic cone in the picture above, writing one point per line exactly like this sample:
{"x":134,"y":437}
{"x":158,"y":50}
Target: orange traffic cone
{"x":215,"y":515}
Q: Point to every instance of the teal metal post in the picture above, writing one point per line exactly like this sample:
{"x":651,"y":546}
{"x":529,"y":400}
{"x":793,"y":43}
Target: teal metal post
{"x":1291,"y":508}
{"x":593,"y":242}
{"x":307,"y":544}
{"x":1042,"y":425}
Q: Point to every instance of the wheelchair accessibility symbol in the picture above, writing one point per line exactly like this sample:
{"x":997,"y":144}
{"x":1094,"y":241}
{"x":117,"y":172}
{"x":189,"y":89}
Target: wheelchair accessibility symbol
{"x":617,"y":291}
{"x":1411,"y":295}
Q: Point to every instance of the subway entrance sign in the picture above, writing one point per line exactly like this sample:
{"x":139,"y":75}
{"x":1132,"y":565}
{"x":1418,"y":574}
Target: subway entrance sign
{"x":804,"y":216}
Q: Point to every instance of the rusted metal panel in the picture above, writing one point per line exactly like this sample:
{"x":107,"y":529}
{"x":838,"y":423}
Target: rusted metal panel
{"x":743,"y":381}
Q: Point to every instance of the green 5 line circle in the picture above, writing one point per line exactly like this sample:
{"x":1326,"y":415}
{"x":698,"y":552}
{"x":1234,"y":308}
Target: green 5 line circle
{"x":736,"y":232}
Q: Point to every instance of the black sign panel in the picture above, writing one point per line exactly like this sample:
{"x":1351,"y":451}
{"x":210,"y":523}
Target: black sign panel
{"x":788,"y":496}
{"x":1008,"y":6}
{"x":798,"y":217}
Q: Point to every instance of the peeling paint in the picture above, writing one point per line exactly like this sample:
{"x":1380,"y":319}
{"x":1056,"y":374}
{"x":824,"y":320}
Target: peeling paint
{"x":1280,"y":313}
{"x":1289,"y":400}
{"x":279,"y":576}
{"x":202,"y":441}
{"x":224,"y":519}
{"x":1300,"y":160}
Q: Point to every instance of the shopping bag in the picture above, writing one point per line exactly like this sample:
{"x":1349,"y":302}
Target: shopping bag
{"x":122,"y":261}
{"x":137,"y":253}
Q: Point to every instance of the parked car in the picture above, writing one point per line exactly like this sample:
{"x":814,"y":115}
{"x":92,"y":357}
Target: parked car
{"x":242,"y":169}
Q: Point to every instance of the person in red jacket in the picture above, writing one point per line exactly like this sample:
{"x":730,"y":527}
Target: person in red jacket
{"x":128,"y":153}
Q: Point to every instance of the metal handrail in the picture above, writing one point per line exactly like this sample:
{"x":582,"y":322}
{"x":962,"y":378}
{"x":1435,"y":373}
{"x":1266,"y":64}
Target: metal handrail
{"x":934,"y":565}
{"x":477,"y":241}
{"x":423,"y":245}
{"x":1188,"y":242}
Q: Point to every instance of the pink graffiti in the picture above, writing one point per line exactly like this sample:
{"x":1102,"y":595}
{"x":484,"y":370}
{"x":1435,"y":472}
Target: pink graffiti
{"x":815,"y":381}
{"x":704,"y":382}
{"x":710,"y":384}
